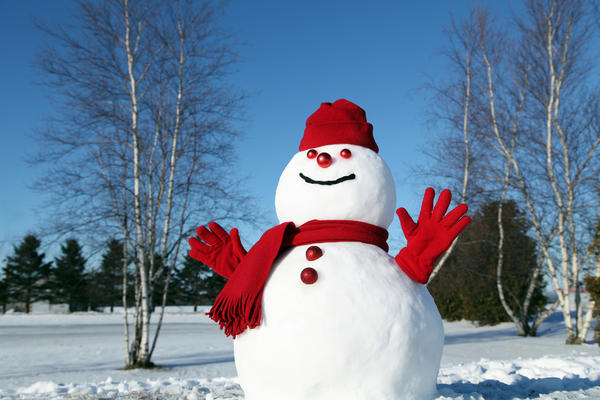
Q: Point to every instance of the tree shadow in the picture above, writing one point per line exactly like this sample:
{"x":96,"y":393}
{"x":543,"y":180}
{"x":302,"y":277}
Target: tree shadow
{"x":199,"y":359}
{"x":553,"y":325}
{"x":524,"y":387}
{"x":481,"y":336}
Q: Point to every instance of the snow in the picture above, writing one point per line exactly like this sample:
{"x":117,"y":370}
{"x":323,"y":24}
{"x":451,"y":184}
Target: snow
{"x":80,"y":356}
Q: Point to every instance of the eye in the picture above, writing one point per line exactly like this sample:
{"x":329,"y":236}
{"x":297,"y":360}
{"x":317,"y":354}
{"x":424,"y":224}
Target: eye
{"x":312,"y":153}
{"x":345,"y":153}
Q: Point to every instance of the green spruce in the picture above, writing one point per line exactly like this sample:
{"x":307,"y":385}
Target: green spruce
{"x":3,"y":295}
{"x":197,"y":284}
{"x":109,"y":278}
{"x":69,"y":279}
{"x":466,"y":287}
{"x":26,"y":275}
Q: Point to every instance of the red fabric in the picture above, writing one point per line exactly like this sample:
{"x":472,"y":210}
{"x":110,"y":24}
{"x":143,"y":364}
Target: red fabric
{"x":431,"y":236}
{"x":342,"y":122}
{"x":217,"y":249}
{"x":238,"y":306}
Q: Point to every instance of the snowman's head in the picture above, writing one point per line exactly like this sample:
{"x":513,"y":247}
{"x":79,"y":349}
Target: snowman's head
{"x":337,"y":174}
{"x":338,"y":181}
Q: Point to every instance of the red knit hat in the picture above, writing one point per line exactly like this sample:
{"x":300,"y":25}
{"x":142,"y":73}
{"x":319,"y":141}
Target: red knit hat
{"x":342,"y":122}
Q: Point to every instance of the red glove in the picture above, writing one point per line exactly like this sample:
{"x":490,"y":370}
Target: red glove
{"x":431,"y":236}
{"x":217,"y":249}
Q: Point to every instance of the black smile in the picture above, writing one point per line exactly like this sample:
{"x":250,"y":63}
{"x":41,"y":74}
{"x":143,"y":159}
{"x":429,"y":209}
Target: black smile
{"x":335,"y":182}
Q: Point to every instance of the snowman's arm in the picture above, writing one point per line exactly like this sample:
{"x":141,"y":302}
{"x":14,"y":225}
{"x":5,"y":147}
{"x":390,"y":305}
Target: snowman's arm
{"x":431,"y":236}
{"x":216,"y":248}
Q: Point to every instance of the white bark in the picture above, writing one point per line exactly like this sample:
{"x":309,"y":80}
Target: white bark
{"x":467,"y":163}
{"x":128,"y":360}
{"x":142,"y":356}
{"x":500,"y":263}
{"x":171,"y":181}
{"x":508,"y":151}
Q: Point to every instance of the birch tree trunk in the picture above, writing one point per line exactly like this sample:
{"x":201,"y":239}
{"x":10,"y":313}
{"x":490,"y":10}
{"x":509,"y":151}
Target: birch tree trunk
{"x":146,"y":132}
{"x":466,"y":68}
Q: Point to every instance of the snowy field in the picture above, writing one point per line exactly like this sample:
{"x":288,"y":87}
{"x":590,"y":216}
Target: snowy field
{"x":79,"y":356}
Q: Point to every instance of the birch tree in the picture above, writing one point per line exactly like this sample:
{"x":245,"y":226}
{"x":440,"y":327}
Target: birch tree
{"x":454,"y":101}
{"x":558,"y":166}
{"x":141,"y":145}
{"x":504,"y":94}
{"x":537,"y":118}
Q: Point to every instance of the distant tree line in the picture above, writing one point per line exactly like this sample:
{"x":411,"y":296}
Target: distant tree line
{"x":72,"y":279}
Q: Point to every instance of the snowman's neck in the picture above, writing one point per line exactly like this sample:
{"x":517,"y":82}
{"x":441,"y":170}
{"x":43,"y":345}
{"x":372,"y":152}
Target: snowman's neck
{"x":320,"y":231}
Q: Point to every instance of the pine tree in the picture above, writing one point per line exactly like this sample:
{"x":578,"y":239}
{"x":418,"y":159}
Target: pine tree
{"x":593,"y":282}
{"x":197,"y":283}
{"x":3,"y":295}
{"x":108,"y":281}
{"x":69,"y":283}
{"x":466,"y":287}
{"x":188,"y":281}
{"x":26,"y":275}
{"x":212,"y":284}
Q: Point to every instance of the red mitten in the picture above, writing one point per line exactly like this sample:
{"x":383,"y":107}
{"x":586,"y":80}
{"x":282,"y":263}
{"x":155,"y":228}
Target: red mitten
{"x":217,"y":249}
{"x":431,"y":236}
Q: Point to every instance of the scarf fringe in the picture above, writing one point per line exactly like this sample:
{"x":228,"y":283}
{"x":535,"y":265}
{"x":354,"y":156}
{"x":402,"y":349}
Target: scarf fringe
{"x":235,"y":314}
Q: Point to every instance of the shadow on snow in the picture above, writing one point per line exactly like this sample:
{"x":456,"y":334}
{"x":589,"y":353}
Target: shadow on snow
{"x":523,"y":388}
{"x":198,"y":359}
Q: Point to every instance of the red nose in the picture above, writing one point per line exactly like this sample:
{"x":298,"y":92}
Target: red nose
{"x":324,"y":160}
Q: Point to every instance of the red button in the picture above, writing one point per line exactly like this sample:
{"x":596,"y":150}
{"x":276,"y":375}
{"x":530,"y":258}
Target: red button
{"x":313,"y":252}
{"x":309,"y":276}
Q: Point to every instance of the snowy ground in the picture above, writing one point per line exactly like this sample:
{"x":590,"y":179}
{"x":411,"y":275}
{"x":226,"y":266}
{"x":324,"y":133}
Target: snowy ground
{"x":79,"y":356}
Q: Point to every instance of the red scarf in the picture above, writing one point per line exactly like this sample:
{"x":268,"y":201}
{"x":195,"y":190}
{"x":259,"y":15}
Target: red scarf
{"x":238,"y":306}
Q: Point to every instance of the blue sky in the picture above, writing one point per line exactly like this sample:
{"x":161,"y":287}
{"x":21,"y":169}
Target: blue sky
{"x":296,"y":55}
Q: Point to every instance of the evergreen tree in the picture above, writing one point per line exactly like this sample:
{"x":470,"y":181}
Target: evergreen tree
{"x":26,"y":275}
{"x":108,"y":281}
{"x":69,"y":281}
{"x":188,"y":281}
{"x":593,"y":282}
{"x":94,"y":293}
{"x":212,"y":284}
{"x":196,"y":283}
{"x":466,"y":286}
{"x":3,"y":295}
{"x":158,"y":284}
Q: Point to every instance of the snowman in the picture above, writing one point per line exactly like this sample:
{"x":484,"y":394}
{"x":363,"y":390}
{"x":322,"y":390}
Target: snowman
{"x":318,"y":308}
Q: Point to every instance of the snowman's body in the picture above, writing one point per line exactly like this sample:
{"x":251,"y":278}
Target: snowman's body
{"x":363,"y":330}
